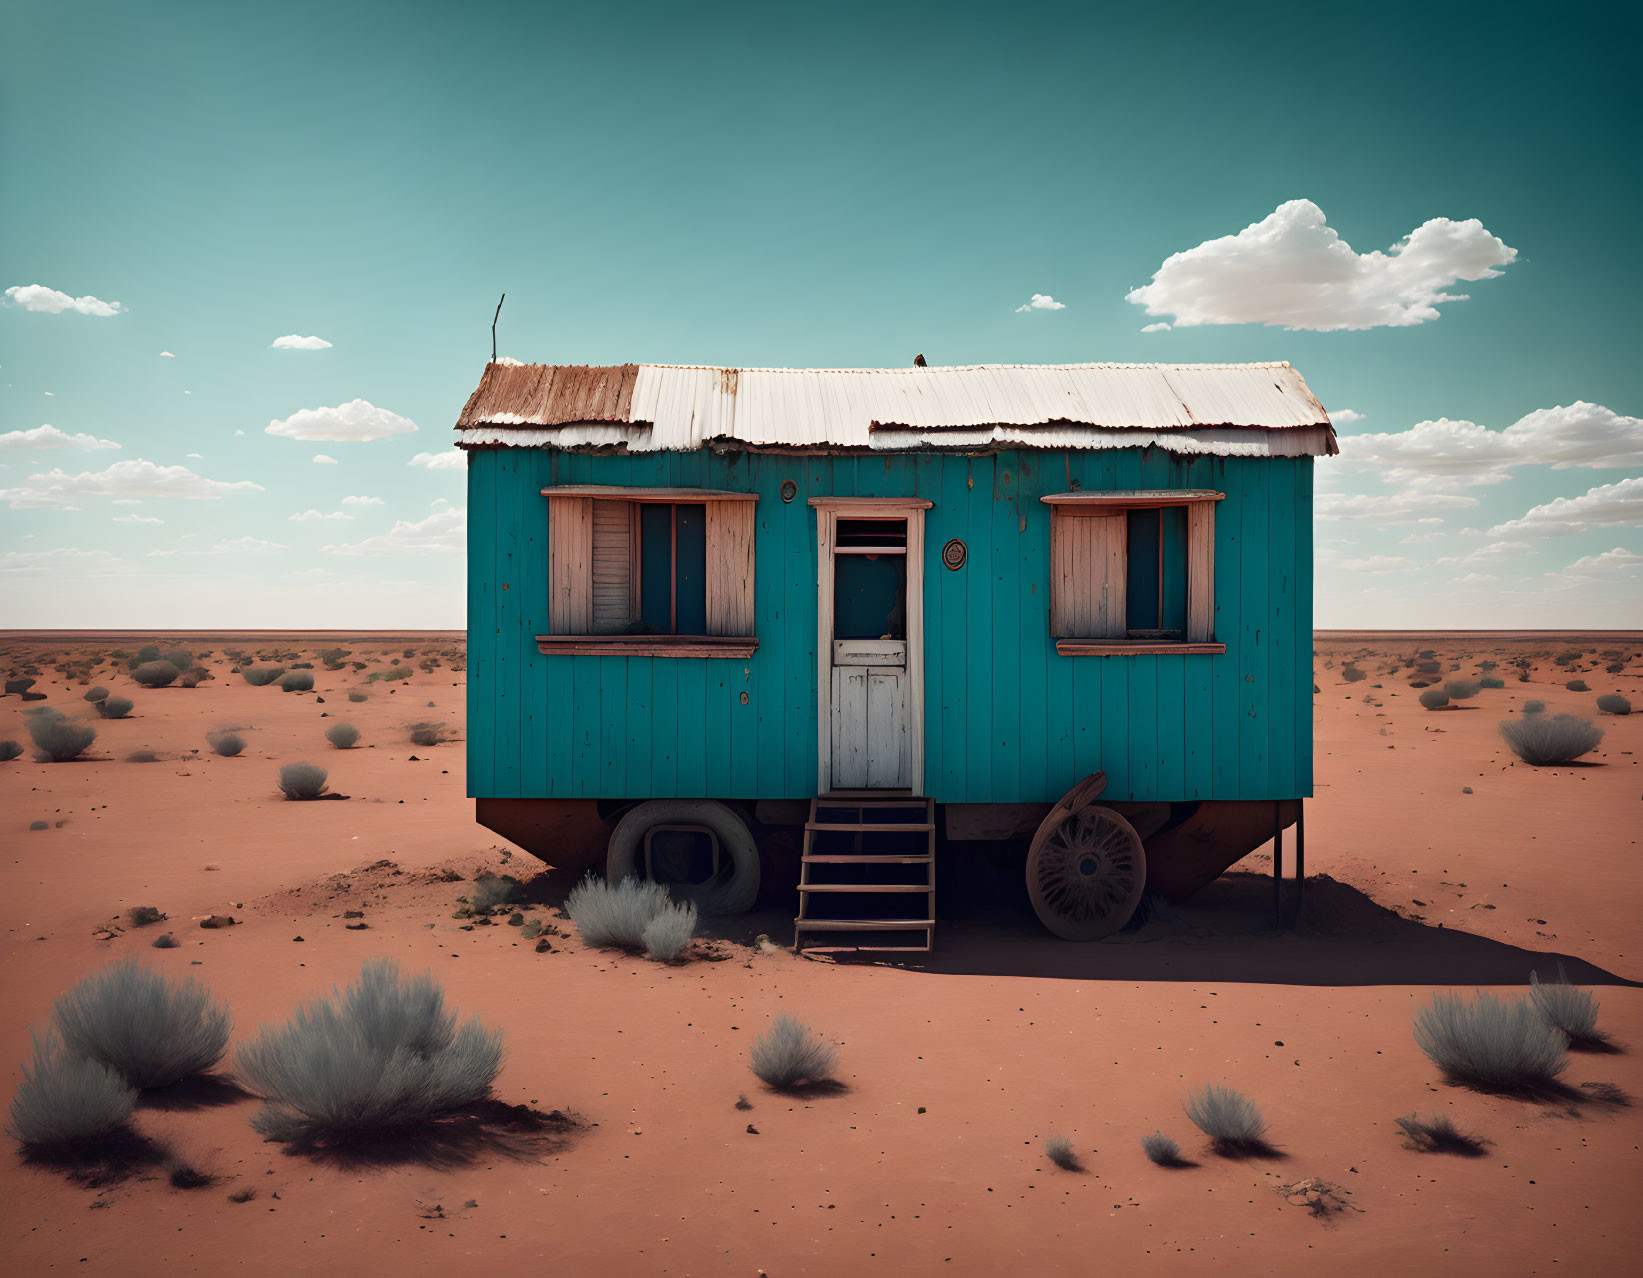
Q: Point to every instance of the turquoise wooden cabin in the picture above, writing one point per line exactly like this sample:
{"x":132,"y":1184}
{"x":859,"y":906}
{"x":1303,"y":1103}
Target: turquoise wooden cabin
{"x":889,"y":609}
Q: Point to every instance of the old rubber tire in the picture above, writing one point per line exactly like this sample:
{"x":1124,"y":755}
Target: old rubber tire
{"x":1085,"y":871}
{"x":732,"y":891}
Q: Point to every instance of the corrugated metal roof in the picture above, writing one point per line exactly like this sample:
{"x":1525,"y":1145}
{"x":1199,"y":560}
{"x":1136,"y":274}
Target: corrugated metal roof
{"x":1243,"y":409}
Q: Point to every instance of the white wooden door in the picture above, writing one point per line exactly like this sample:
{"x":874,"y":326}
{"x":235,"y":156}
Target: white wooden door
{"x":871,"y":691}
{"x":871,"y":732}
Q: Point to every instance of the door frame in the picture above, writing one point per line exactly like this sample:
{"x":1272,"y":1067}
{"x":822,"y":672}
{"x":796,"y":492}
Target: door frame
{"x":828,"y":509}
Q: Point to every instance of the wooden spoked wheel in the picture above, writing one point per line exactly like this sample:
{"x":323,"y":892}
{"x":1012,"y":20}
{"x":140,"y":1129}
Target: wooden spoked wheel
{"x":1085,"y":871}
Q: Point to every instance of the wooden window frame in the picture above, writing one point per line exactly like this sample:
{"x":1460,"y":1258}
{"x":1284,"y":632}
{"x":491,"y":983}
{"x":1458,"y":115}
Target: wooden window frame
{"x":1199,"y":636}
{"x":729,"y":597}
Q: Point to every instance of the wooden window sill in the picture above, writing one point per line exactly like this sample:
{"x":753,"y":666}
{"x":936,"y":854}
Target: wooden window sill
{"x":725,"y":646}
{"x":1132,"y":648}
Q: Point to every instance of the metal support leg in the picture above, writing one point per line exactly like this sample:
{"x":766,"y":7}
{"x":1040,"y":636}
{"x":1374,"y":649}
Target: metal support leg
{"x":1277,"y":864}
{"x":1300,"y":862}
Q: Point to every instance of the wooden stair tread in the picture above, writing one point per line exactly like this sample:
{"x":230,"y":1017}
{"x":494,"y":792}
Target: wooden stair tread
{"x":865,"y":887}
{"x":875,"y":827}
{"x":862,"y":925}
{"x":875,"y":949}
{"x":865,"y":858}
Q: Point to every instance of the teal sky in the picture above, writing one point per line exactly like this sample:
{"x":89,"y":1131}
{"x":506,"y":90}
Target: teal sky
{"x":759,"y":185}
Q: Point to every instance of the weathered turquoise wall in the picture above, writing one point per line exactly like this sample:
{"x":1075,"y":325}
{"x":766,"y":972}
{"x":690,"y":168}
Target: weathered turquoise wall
{"x":1006,"y":718}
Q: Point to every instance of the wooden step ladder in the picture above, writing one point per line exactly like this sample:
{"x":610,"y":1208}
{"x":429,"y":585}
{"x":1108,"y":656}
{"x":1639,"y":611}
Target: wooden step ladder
{"x":876,"y":850}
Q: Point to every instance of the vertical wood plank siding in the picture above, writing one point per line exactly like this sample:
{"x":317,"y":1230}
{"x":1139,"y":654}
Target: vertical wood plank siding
{"x":1006,"y":719}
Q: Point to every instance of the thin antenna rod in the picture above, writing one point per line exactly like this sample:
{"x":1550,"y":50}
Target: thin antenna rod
{"x":503,"y":298}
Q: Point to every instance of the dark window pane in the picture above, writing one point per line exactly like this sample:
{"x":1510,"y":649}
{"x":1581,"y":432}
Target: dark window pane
{"x":692,"y":570}
{"x":870,"y":596}
{"x":1141,"y":572}
{"x":656,"y":565}
{"x":871,"y":532}
{"x":1173,"y":534}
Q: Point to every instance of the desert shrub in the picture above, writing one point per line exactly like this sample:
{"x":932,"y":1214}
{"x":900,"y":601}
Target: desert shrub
{"x":114,"y":707}
{"x":1570,"y":1008}
{"x":1161,"y":1149}
{"x":1564,"y":658}
{"x":1532,"y":706}
{"x":1491,"y":1044}
{"x":148,"y":652}
{"x":1230,"y":1119}
{"x":1059,"y":1150}
{"x":165,"y":941}
{"x":668,"y":934}
{"x":356,"y":695}
{"x":1489,"y":681}
{"x":427,"y":734}
{"x":190,"y":679}
{"x":96,"y":694}
{"x":58,"y":739}
{"x":1486,"y":666}
{"x":332,"y":656}
{"x":302,"y":780}
{"x":1434,"y":698}
{"x":139,"y":1023}
{"x":790,"y":1054}
{"x":179,"y":657}
{"x":1614,"y":703}
{"x":1577,"y":685}
{"x":1543,"y":740}
{"x":382,"y":1055}
{"x":155,"y":674}
{"x":1439,"y":1135}
{"x":297,"y":681}
{"x":143,"y":915}
{"x":225,"y":741}
{"x":142,"y":756}
{"x":9,"y":750}
{"x":342,"y":735}
{"x":1461,"y":689}
{"x":66,"y":1100}
{"x":261,"y":676}
{"x":1352,"y":674}
{"x":615,"y":913}
{"x":399,"y":673}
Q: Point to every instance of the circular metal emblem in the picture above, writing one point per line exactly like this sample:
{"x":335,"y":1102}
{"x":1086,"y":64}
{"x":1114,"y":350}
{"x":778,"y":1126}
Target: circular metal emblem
{"x":790,"y":490}
{"x":954,"y":553}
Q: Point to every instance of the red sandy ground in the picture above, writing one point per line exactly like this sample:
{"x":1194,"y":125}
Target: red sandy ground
{"x":956,"y":1069}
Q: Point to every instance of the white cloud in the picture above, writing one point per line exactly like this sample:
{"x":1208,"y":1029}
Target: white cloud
{"x":438,"y":502}
{"x":1489,"y":553}
{"x":362,"y":501}
{"x":228,"y":546}
{"x":1380,"y":565}
{"x":1292,"y":269}
{"x":1042,"y":302}
{"x":291,"y":342}
{"x":124,"y":480}
{"x":137,"y":519}
{"x":1474,"y":579}
{"x":50,"y":439}
{"x":442,"y":530}
{"x":1617,"y":560}
{"x":1388,"y":508}
{"x":357,"y":420}
{"x":195,"y":456}
{"x":167,"y":355}
{"x":1603,"y":507}
{"x":313,"y":516}
{"x":48,"y":301}
{"x":1579,"y":436}
{"x":239,"y":432}
{"x":16,"y":563}
{"x":1344,"y":416}
{"x":1160,"y":327}
{"x":324,"y":459}
{"x":454,"y":459}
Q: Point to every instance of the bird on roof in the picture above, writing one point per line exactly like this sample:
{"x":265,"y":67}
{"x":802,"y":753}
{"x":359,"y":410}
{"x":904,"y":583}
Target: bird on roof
{"x":918,"y":362}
